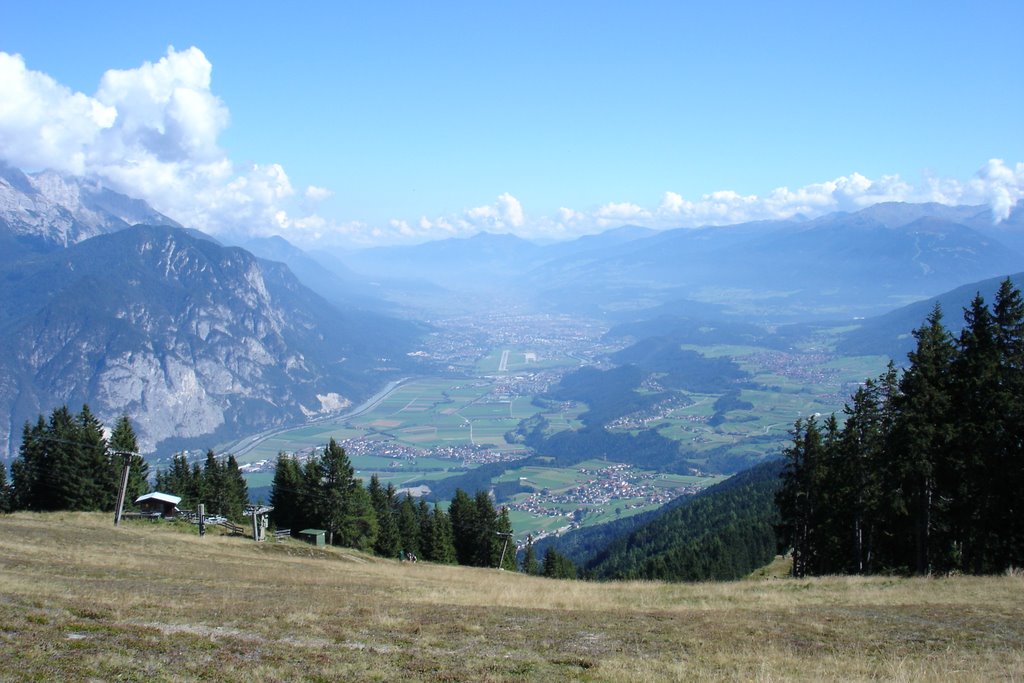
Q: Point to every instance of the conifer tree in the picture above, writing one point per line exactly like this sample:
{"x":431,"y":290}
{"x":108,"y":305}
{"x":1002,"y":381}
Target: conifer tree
{"x":799,"y":497}
{"x":408,"y":526}
{"x":442,"y":549}
{"x":486,"y":550}
{"x":338,"y":500}
{"x":237,"y":490}
{"x":1008,"y":488}
{"x":98,"y":481}
{"x":285,"y":493}
{"x":462,"y":513}
{"x":920,"y":449}
{"x":28,"y":469}
{"x":426,"y":529}
{"x":123,"y":440}
{"x":975,"y":373}
{"x":557,"y":566}
{"x":66,"y":486}
{"x":310,"y":503}
{"x":861,"y":453}
{"x":6,"y":493}
{"x":387,"y":542}
{"x":335,"y":485}
{"x":214,"y":486}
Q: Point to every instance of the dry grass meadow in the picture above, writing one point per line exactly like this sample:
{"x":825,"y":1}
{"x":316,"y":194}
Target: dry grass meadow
{"x":82,"y":600}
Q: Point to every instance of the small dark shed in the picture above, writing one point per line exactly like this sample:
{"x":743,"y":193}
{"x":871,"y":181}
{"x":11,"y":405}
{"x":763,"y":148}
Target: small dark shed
{"x":163,"y":504}
{"x":314,"y":536}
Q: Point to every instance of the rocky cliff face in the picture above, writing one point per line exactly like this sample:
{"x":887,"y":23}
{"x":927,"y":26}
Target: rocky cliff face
{"x":50,"y":209}
{"x":195,"y":341}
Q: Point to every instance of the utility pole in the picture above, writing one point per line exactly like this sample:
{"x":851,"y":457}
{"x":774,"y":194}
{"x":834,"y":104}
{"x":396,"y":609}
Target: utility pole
{"x":507,"y":535}
{"x":119,"y":508}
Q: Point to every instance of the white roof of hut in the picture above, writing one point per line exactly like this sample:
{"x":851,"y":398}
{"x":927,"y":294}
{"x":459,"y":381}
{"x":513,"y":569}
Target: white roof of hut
{"x":162,"y":497}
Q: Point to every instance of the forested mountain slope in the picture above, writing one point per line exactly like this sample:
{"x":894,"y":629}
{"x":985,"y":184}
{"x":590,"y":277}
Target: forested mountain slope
{"x":722,"y":533}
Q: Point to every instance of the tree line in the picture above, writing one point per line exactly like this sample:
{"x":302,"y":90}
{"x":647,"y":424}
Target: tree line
{"x":218,"y":484}
{"x":722,"y":533}
{"x":926,"y":473}
{"x":324,"y":493}
{"x":68,"y":463}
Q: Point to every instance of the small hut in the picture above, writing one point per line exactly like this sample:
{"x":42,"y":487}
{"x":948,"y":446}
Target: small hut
{"x":156,"y":503}
{"x":314,"y":536}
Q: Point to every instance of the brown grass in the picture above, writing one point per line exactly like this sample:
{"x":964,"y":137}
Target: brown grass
{"x":82,"y":600}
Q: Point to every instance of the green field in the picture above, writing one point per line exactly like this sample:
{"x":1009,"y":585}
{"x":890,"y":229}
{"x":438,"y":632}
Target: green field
{"x":439,"y":413}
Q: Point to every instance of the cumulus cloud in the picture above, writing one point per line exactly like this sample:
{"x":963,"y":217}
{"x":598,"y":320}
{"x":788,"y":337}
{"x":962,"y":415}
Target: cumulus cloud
{"x":42,"y":123}
{"x":150,"y":132}
{"x":996,"y":184}
{"x":504,"y":214}
{"x":614,"y":214}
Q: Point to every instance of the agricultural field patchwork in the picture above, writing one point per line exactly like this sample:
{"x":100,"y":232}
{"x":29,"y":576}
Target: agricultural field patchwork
{"x":429,"y":429}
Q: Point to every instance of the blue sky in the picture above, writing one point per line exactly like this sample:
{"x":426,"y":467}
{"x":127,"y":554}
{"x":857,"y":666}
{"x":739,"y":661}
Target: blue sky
{"x":361,"y":123}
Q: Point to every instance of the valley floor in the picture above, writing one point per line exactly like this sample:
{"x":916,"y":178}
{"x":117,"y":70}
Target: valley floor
{"x":80,"y":599}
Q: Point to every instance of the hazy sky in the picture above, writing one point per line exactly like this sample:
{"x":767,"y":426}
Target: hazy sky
{"x":377,"y":122}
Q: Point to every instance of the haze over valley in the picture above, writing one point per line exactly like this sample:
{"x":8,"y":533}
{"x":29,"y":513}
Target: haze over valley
{"x":579,"y":381}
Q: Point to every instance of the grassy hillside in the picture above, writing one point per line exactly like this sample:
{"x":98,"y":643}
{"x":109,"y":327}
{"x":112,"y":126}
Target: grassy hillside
{"x":80,"y":599}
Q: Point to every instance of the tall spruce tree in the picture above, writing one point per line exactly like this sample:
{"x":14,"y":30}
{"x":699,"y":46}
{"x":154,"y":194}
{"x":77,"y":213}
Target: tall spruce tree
{"x":95,"y":469}
{"x":236,"y":488}
{"x":462,"y":512}
{"x":339,"y":501}
{"x":426,"y":529}
{"x":442,"y":548}
{"x":798,"y":499}
{"x":28,"y":470}
{"x":920,"y":448}
{"x":408,"y":526}
{"x":285,"y":494}
{"x":1008,"y":399}
{"x":975,"y":373}
{"x":387,"y":542}
{"x":487,"y":549}
{"x":123,"y":440}
{"x":214,"y":487}
{"x":861,"y":456}
{"x":67,"y":485}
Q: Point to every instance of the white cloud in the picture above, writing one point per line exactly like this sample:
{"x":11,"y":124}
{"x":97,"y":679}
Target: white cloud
{"x":505,"y":213}
{"x":42,"y":123}
{"x":317,"y":194}
{"x":510,"y":210}
{"x":164,"y":109}
{"x":614,"y":214}
{"x":152,"y":132}
{"x":999,"y":186}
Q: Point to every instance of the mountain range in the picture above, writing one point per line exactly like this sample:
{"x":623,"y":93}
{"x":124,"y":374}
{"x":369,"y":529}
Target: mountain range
{"x":42,"y":211}
{"x":104,"y":300}
{"x":839,"y":265}
{"x":196,"y":341}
